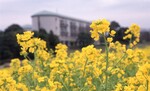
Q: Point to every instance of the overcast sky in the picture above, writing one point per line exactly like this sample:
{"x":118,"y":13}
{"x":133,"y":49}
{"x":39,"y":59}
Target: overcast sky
{"x":125,"y":12}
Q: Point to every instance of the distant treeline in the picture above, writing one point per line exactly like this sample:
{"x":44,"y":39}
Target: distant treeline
{"x":145,"y":36}
{"x":9,"y":47}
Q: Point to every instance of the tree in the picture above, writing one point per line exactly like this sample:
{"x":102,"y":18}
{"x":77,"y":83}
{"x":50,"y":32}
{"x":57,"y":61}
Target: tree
{"x":43,"y":34}
{"x":84,"y":39}
{"x":14,"y":28}
{"x":9,"y":47}
{"x":42,"y":31}
{"x":1,"y":37}
{"x":53,"y":40}
{"x":120,"y":34}
{"x":114,"y":25}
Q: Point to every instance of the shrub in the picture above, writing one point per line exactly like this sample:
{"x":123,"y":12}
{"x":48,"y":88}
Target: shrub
{"x":119,"y":68}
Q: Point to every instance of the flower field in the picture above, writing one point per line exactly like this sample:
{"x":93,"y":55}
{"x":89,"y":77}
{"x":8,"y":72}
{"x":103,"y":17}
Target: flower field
{"x":119,"y":68}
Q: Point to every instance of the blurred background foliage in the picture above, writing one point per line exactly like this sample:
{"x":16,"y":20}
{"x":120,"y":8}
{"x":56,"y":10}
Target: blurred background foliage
{"x":9,"y":47}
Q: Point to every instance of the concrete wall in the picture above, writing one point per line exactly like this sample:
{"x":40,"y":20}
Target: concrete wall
{"x":34,"y":23}
{"x":46,"y":22}
{"x":53,"y":23}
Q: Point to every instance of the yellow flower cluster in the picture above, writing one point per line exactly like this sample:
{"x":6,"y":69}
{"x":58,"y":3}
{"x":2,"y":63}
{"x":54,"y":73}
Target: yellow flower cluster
{"x":117,"y":68}
{"x":29,"y":44}
{"x":99,"y":27}
{"x":133,"y":33}
{"x":61,"y":51}
{"x":112,"y":33}
{"x":15,"y":64}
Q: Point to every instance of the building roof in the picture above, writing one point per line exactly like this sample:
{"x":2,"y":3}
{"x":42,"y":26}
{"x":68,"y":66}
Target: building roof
{"x":145,"y":30}
{"x":48,"y":13}
{"x":44,"y":13}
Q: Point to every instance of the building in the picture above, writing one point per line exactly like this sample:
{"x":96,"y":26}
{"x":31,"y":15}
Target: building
{"x":27,"y":27}
{"x":145,"y":35}
{"x":66,"y":28}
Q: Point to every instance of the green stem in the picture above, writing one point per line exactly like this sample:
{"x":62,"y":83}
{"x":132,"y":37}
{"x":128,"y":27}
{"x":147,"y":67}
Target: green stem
{"x":101,"y":82}
{"x":130,"y":43}
{"x":27,"y":57}
{"x":123,"y":57}
{"x":85,"y":67}
{"x":82,"y":89}
{"x":107,"y":63}
{"x":64,"y":85}
{"x":147,"y":85}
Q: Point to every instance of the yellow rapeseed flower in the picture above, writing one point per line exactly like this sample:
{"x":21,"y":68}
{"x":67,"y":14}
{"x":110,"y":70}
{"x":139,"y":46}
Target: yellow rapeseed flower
{"x":99,"y":27}
{"x":112,"y":33}
{"x":109,"y":40}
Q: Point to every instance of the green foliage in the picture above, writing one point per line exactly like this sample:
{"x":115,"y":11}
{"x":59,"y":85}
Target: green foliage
{"x":9,"y":47}
{"x":84,"y":39}
{"x":119,"y":32}
{"x":129,"y":70}
{"x":114,"y":25}
{"x":14,"y":28}
{"x":51,"y":39}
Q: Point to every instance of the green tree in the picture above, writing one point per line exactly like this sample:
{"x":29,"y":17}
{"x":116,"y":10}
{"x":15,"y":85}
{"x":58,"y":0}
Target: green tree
{"x":114,"y":25}
{"x":9,"y":47}
{"x":14,"y":28}
{"x":43,"y":35}
{"x":119,"y":32}
{"x":119,"y":35}
{"x":84,"y":39}
{"x":53,"y":40}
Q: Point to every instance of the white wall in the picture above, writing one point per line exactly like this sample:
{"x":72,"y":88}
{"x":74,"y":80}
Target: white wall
{"x":46,"y":22}
{"x":34,"y":23}
{"x":53,"y":23}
